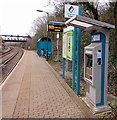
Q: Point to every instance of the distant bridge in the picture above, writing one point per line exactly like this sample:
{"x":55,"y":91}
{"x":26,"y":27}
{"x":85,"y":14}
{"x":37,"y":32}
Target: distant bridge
{"x":14,"y":38}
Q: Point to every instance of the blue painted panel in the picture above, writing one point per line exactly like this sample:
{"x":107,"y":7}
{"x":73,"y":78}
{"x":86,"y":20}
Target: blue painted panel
{"x":78,"y":63}
{"x":63,"y":67}
{"x":78,"y":56}
{"x":103,"y":40}
{"x":43,"y":46}
{"x":49,"y":48}
{"x":73,"y":59}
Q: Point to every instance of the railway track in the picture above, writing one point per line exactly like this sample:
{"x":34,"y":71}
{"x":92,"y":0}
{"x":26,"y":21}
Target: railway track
{"x":8,"y":56}
{"x":6,"y":52}
{"x":9,"y":60}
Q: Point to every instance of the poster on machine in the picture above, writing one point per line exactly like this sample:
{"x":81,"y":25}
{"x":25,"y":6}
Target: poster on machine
{"x":67,"y":45}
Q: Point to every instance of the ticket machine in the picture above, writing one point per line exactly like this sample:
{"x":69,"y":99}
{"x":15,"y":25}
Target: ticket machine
{"x":94,"y":70}
{"x":95,"y":61}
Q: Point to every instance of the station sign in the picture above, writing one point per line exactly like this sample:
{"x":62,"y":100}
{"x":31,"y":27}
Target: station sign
{"x":71,"y":10}
{"x":56,"y":28}
{"x":96,"y":37}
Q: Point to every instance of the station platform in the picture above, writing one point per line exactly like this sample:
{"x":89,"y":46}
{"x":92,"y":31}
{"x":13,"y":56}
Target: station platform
{"x":35,"y":90}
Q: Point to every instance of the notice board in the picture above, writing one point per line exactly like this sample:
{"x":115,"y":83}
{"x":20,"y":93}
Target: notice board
{"x":67,"y":44}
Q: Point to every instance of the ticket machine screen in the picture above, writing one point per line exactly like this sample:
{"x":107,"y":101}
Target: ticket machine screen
{"x":89,"y":62}
{"x":89,"y":67}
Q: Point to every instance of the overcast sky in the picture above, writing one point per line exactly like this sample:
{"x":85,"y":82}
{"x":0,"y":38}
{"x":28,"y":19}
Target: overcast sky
{"x":17,"y":16}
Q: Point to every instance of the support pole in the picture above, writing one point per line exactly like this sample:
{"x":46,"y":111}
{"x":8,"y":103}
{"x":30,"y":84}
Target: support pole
{"x":73,"y":59}
{"x":78,"y":63}
{"x":63,"y":67}
{"x":57,"y":46}
{"x":47,"y":35}
{"x":78,"y":58}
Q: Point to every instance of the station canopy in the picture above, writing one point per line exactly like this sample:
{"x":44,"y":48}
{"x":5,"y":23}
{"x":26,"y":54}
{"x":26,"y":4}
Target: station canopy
{"x":87,"y":23}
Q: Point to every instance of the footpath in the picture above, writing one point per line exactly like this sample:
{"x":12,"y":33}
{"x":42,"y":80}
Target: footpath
{"x":35,"y":90}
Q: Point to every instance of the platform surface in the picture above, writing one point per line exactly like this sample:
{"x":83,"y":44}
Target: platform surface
{"x":35,"y":90}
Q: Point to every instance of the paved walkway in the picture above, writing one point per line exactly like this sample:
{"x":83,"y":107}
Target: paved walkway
{"x":35,"y":90}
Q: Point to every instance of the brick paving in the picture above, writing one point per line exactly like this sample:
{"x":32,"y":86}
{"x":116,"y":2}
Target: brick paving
{"x":34,"y":90}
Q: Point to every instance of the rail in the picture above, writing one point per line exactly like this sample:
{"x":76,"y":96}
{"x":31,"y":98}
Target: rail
{"x":5,"y":70}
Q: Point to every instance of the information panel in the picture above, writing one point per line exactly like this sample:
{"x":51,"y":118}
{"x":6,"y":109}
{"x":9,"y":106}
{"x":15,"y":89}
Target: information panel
{"x":56,"y":28}
{"x":67,"y":45}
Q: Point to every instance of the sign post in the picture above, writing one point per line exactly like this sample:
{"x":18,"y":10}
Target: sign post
{"x":56,"y":27}
{"x":70,"y":51}
{"x":67,"y":50}
{"x":78,"y":58}
{"x":57,"y":46}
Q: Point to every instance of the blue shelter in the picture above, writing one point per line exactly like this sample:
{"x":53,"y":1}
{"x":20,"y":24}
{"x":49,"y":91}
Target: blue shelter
{"x":44,"y":44}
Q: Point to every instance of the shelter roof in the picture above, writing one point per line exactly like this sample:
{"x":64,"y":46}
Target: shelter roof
{"x":84,"y":22}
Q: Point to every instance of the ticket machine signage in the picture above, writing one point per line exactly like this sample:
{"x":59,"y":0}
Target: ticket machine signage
{"x":95,"y":37}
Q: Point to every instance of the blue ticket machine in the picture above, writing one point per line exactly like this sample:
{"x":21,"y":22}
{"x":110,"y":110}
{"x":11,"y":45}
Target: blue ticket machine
{"x":95,"y":68}
{"x":95,"y":61}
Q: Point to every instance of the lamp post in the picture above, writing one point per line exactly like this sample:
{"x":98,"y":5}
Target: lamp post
{"x":47,"y":31}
